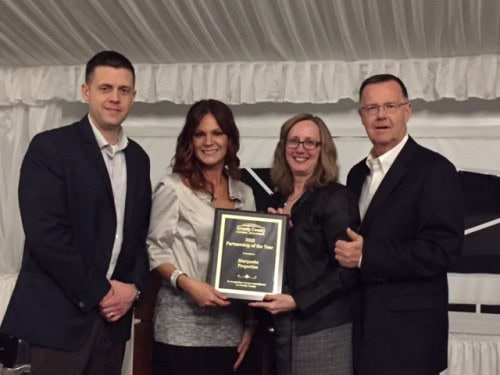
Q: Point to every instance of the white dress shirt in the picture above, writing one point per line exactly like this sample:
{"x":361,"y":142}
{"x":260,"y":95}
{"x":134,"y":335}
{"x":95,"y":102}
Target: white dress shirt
{"x":116,"y":164}
{"x":378,"y":169}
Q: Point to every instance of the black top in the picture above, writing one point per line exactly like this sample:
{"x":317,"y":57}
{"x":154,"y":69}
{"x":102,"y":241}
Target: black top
{"x":318,"y":284}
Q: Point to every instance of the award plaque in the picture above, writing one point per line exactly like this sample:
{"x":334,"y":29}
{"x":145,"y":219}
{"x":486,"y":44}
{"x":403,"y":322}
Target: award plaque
{"x":248,"y":253}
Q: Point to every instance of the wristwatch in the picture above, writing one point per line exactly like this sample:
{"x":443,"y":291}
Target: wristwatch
{"x":137,"y":294}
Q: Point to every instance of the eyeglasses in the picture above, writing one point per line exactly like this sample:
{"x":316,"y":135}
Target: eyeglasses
{"x":308,"y":144}
{"x":372,"y":109}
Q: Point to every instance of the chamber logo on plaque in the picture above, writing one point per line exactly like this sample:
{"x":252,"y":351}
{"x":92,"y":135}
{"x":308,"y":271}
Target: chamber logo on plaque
{"x":251,"y":228}
{"x":248,"y":253}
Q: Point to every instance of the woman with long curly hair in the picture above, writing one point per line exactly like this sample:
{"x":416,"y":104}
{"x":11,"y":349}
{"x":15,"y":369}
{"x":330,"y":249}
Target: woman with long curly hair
{"x":197,"y":330}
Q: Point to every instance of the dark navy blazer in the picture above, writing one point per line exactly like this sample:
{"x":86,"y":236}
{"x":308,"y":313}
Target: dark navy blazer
{"x":69,"y":220}
{"x":413,"y":230}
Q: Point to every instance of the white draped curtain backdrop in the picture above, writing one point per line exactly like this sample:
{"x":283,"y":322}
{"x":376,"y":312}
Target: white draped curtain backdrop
{"x":240,"y":51}
{"x":268,"y":60}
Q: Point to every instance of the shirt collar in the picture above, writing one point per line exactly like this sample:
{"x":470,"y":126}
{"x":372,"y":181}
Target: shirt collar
{"x":235,"y":191}
{"x":387,"y":159}
{"x":103,"y":143}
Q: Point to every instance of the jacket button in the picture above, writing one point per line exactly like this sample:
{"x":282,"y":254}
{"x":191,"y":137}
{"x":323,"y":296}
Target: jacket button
{"x":81,"y":305}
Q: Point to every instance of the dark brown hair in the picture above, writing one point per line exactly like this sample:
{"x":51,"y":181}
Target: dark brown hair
{"x":107,"y":58}
{"x":185,"y":162}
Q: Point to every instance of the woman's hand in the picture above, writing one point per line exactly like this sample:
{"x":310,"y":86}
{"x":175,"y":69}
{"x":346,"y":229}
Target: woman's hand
{"x":280,"y":211}
{"x":202,"y":293}
{"x":276,"y":211}
{"x":246,"y":339}
{"x":276,"y":303}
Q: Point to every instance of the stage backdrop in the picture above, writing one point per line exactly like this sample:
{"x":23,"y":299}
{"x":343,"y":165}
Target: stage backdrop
{"x":481,"y":252}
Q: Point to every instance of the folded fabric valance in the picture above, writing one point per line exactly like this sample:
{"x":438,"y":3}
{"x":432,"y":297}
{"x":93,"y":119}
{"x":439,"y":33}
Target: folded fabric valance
{"x":458,"y":78}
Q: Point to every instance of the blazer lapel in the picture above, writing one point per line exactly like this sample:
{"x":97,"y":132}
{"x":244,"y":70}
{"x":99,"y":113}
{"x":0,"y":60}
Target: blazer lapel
{"x":95,"y":154}
{"x":131,"y":186}
{"x":357,"y":177}
{"x":390,"y":182}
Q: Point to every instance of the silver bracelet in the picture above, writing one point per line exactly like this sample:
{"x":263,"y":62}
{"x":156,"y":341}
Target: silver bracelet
{"x":174,"y":276}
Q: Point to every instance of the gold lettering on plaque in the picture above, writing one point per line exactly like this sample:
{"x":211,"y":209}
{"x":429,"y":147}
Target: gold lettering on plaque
{"x":248,"y":264}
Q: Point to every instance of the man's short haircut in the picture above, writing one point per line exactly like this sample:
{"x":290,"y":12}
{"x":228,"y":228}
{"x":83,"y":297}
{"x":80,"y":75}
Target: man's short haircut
{"x":379,"y":78}
{"x":108,"y":58}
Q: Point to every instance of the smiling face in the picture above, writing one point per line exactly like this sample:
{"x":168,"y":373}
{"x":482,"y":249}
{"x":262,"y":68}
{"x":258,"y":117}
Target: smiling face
{"x":210,"y":143}
{"x":303,"y":162}
{"x":385,"y":130}
{"x":110,"y":94}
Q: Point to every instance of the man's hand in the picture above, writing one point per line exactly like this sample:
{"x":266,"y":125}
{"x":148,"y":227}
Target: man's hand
{"x":276,"y":303}
{"x":348,"y":253}
{"x":117,"y":301}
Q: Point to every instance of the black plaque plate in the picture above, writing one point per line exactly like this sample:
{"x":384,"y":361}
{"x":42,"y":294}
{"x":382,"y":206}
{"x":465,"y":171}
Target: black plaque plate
{"x":248,"y":253}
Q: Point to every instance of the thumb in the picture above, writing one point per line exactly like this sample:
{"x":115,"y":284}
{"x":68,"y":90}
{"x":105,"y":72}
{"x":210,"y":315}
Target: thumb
{"x":220,"y":295}
{"x":268,"y":298}
{"x":352,"y":234}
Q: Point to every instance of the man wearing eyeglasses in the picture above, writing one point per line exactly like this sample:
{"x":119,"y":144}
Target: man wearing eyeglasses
{"x":412,"y":228}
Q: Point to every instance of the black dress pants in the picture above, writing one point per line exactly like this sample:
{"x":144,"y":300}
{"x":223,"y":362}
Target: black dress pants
{"x":98,"y":356}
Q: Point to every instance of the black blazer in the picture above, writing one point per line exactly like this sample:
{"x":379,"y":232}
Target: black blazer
{"x":69,"y":220}
{"x":318,"y":284}
{"x":413,"y":230}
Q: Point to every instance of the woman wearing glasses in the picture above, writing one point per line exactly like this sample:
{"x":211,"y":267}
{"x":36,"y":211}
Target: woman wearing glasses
{"x":313,"y":315}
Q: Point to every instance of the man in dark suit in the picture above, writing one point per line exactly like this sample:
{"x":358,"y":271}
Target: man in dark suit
{"x":85,"y":197}
{"x":412,"y":229}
